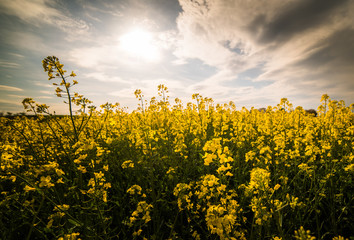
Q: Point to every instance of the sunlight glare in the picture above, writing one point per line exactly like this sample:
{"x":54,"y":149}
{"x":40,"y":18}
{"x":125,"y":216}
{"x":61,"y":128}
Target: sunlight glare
{"x":140,"y":44}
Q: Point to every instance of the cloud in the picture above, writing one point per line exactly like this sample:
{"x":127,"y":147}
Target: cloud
{"x":293,"y":43}
{"x":5,"y":101}
{"x":20,"y":56}
{"x":107,"y":8}
{"x":37,"y":12}
{"x":101,"y":55}
{"x":92,"y":56}
{"x":41,"y":84}
{"x":294,"y":18}
{"x":336,"y":50}
{"x":107,"y":52}
{"x":44,"y":97}
{"x":10,"y":89}
{"x":102,"y":77}
{"x":25,"y":41}
{"x":47,"y":92}
{"x":7,"y":64}
{"x":16,"y":96}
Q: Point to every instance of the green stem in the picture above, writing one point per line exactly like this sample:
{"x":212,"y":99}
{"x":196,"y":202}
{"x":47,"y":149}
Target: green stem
{"x":69,"y":101}
{"x":46,"y":197}
{"x":34,"y":218}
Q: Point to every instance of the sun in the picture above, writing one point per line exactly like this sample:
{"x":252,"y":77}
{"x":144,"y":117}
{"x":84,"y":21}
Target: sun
{"x":140,"y":44}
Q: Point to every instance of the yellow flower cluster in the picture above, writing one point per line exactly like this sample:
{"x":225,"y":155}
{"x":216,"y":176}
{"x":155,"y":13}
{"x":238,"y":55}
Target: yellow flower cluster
{"x":71,"y":236}
{"x":98,"y":186}
{"x":128,"y":164}
{"x":142,"y":213}
{"x":303,"y":234}
{"x":135,"y":189}
{"x":215,"y":153}
{"x":183,"y":193}
{"x":219,"y":207}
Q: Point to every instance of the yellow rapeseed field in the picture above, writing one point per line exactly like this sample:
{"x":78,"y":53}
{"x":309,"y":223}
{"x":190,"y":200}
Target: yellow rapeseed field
{"x":173,"y":171}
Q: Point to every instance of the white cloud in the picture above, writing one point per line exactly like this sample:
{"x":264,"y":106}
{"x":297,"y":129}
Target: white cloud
{"x":26,"y":41}
{"x":44,"y":97}
{"x":17,"y":55}
{"x":41,"y":84}
{"x":104,"y":7}
{"x":102,"y":77}
{"x":47,"y":92}
{"x":102,"y":55}
{"x":7,"y":64}
{"x":10,"y":88}
{"x":37,"y":12}
{"x":110,"y":51}
{"x":16,"y":96}
{"x":205,"y":27}
{"x":5,"y":101}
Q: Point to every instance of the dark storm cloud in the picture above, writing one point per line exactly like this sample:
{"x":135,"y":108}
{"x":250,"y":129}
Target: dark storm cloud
{"x":326,"y":68}
{"x":337,"y":51}
{"x":294,"y":18}
{"x":334,"y":59}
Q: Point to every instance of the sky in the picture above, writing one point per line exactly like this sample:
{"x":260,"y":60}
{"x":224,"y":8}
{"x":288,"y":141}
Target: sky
{"x":251,"y":52}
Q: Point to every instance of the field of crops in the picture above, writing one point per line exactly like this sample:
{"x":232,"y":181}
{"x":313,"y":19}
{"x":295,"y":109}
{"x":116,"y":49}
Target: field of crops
{"x":174,"y":171}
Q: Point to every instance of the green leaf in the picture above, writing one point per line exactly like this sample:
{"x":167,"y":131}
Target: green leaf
{"x":74,"y":222}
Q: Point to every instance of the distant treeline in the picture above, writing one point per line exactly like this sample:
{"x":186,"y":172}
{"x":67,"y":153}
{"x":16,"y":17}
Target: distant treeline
{"x":10,"y":115}
{"x":309,"y":111}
